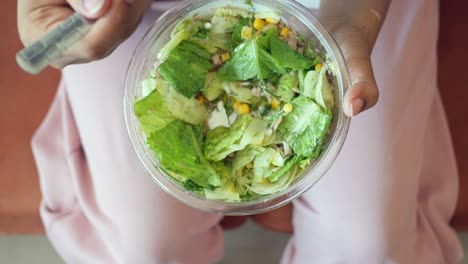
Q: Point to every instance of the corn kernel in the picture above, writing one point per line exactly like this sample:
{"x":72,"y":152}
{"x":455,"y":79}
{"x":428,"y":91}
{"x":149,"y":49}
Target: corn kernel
{"x":288,"y":108}
{"x":285,"y":32}
{"x":201,"y":99}
{"x":259,"y":23}
{"x":275,"y":103}
{"x":265,"y":180}
{"x":243,"y":109}
{"x":318,"y":67}
{"x":236,"y":105}
{"x":246,"y":32}
{"x":225,"y":56}
{"x":272,"y":20}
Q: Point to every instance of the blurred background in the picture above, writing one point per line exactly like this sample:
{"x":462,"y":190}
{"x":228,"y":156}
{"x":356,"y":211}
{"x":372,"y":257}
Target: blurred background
{"x":25,"y":100}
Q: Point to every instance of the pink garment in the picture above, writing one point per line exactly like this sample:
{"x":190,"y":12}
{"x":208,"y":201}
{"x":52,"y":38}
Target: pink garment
{"x":387,"y":199}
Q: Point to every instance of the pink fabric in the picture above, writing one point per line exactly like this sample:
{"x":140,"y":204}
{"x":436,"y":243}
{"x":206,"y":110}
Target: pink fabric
{"x":387,"y":199}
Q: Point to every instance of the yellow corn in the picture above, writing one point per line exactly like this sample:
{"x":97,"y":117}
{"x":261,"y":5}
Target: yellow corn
{"x":201,"y":99}
{"x":246,"y":32}
{"x":288,"y":108}
{"x":285,"y":32}
{"x":318,"y":67}
{"x":265,"y":180}
{"x":243,"y":109}
{"x":236,"y":105}
{"x":275,"y":103}
{"x":272,"y":20}
{"x":259,"y":23}
{"x":225,"y":56}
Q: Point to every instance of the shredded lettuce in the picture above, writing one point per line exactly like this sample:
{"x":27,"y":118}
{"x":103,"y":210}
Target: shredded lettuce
{"x":242,"y":171}
{"x":178,"y":148}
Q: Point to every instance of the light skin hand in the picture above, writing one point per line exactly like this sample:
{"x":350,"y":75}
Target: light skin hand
{"x":355,"y":24}
{"x":115,"y":20}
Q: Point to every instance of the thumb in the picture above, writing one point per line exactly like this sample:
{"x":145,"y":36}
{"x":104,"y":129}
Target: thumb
{"x":90,"y":8}
{"x":363,"y":93}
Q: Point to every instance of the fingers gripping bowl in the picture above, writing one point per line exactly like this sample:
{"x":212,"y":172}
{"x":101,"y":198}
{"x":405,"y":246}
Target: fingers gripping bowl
{"x":234,"y":107}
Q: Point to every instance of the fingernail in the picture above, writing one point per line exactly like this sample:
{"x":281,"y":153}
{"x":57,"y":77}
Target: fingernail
{"x":356,"y":106}
{"x":93,"y":6}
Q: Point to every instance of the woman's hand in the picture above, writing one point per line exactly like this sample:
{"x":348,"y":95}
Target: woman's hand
{"x":355,"y":24}
{"x":115,"y":21}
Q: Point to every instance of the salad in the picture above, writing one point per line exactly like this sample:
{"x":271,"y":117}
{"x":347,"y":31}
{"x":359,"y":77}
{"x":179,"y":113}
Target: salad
{"x":238,"y":104}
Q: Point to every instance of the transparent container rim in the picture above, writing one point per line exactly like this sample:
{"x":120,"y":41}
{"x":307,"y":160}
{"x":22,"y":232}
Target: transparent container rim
{"x":273,"y":201}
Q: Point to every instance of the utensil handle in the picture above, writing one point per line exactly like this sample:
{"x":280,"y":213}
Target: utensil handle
{"x":36,"y":57}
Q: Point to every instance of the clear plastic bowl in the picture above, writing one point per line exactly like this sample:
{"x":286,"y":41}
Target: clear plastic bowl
{"x":144,"y":57}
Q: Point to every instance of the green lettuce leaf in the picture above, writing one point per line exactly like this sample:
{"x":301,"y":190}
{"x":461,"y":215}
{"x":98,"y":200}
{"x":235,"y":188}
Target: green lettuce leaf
{"x":223,"y":24}
{"x":213,"y":87}
{"x":153,"y":112}
{"x":183,"y":31}
{"x":242,"y":171}
{"x":232,"y":11}
{"x":251,"y":59}
{"x":323,"y":94}
{"x":306,"y":127}
{"x":186,"y":67}
{"x":227,"y":193}
{"x":309,"y":82}
{"x":268,"y":187}
{"x":309,"y":143}
{"x":266,"y":163}
{"x":286,"y":85}
{"x":180,"y":107}
{"x":178,"y":148}
{"x":290,"y":163}
{"x":236,"y":38}
{"x":240,"y":93}
{"x":190,"y":185}
{"x":223,"y":141}
{"x":288,"y":57}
